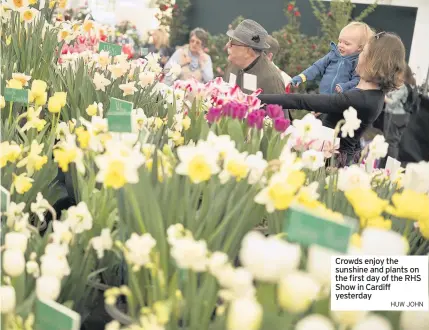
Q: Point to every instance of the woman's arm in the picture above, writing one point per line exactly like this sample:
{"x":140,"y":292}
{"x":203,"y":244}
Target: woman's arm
{"x":311,"y":102}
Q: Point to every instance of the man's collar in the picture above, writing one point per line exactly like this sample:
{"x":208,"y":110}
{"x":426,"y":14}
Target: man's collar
{"x":251,"y":65}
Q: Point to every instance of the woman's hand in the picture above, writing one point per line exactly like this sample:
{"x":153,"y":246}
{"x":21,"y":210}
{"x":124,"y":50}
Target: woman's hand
{"x":202,"y":57}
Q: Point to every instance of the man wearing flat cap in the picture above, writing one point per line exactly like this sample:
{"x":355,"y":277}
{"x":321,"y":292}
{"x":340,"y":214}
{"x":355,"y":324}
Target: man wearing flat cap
{"x":249,"y":67}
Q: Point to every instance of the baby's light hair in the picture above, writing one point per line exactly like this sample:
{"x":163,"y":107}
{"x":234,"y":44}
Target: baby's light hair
{"x":366,"y":33}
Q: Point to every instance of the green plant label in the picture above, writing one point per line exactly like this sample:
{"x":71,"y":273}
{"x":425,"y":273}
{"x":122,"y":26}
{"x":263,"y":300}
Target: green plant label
{"x":113,"y":49}
{"x":4,"y":200}
{"x":51,"y":315}
{"x":16,"y":95}
{"x":119,"y":122}
{"x":307,"y":228}
{"x":120,"y":106}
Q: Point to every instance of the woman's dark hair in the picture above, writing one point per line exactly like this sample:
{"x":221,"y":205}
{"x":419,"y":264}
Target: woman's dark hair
{"x":200,"y":34}
{"x":384,"y":62}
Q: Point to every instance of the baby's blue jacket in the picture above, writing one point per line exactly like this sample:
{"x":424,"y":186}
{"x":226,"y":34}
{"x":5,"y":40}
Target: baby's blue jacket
{"x":335,"y":69}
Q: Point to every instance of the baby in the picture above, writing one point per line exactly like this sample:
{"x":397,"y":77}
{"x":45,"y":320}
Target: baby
{"x":337,"y":68}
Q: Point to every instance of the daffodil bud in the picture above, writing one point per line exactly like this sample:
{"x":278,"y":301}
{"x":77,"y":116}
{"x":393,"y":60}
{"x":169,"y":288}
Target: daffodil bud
{"x":16,"y":241}
{"x":13,"y":262}
{"x":7,"y":299}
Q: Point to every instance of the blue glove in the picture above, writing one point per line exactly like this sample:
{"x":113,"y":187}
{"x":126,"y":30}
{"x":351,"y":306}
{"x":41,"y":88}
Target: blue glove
{"x":296,"y":81}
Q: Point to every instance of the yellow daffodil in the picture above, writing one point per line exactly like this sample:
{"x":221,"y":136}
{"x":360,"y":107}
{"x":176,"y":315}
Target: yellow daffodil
{"x":54,"y":104}
{"x":28,"y":14}
{"x":88,"y":25}
{"x":424,"y":228}
{"x":235,"y":166}
{"x":14,"y":83}
{"x":366,"y":203}
{"x":410,"y":205}
{"x":62,"y":97}
{"x":66,"y":152}
{"x":38,"y":88}
{"x":92,"y":109}
{"x":356,"y":240}
{"x":33,"y":162}
{"x":32,"y":2}
{"x":9,"y":152}
{"x":83,"y":137}
{"x":186,"y":122}
{"x":33,"y":120}
{"x":378,"y":222}
{"x":52,"y":4}
{"x":62,"y":4}
{"x":22,"y":183}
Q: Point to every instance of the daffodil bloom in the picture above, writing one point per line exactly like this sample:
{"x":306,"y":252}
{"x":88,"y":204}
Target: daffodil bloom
{"x":366,"y":203}
{"x":100,"y":82}
{"x":83,"y":137}
{"x":29,"y":14}
{"x":38,"y":88}
{"x":14,"y":83}
{"x":9,"y":152}
{"x":128,"y":88}
{"x":410,"y":205}
{"x":117,"y":70}
{"x":22,"y":77}
{"x":91,"y":110}
{"x":378,"y":222}
{"x":65,"y":34}
{"x":33,"y":162}
{"x":67,"y":152}
{"x":33,"y":120}
{"x":17,"y":4}
{"x":281,"y":190}
{"x":62,"y":4}
{"x":54,"y":104}
{"x":235,"y":166}
{"x":22,"y":183}
{"x":198,"y":162}
{"x":62,"y":97}
{"x":88,"y":25}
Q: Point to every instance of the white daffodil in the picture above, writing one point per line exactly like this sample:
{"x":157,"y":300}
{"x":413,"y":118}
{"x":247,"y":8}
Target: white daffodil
{"x":100,"y":82}
{"x":118,"y":70}
{"x":319,"y":264}
{"x":352,"y":123}
{"x":236,"y":283}
{"x":48,"y":287}
{"x":119,"y":165}
{"x":176,"y":232}
{"x":373,"y":322}
{"x":62,"y":130}
{"x":15,"y":212}
{"x":257,"y":166}
{"x":416,"y":177}
{"x":139,"y":119}
{"x":310,"y":191}
{"x":40,"y":207}
{"x":102,"y":59}
{"x":28,"y":15}
{"x":79,"y":218}
{"x":32,"y":267}
{"x":138,"y":249}
{"x":222,"y":144}
{"x":378,"y":148}
{"x":7,"y":299}
{"x":348,"y":318}
{"x":17,"y":4}
{"x":16,"y":241}
{"x":9,"y":152}
{"x":353,"y":177}
{"x":128,"y":88}
{"x":297,"y":291}
{"x":190,"y":254}
{"x":307,"y":128}
{"x":153,"y":63}
{"x":244,"y":313}
{"x":22,"y":77}
{"x":13,"y":262}
{"x":234,"y":166}
{"x":394,"y":244}
{"x":198,"y":162}
{"x":256,"y":255}
{"x":65,"y":34}
{"x":102,"y":243}
{"x":315,"y":322}
{"x":54,"y":264}
{"x":313,"y":160}
{"x":62,"y":232}
{"x":174,"y":70}
{"x":146,"y":78}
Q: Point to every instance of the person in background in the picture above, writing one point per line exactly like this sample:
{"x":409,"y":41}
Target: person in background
{"x":194,"y":61}
{"x":160,"y":45}
{"x":271,"y":54}
{"x":249,"y":67}
{"x":337,"y":68}
{"x":381,"y":68}
{"x":414,"y":144}
{"x":397,"y":114}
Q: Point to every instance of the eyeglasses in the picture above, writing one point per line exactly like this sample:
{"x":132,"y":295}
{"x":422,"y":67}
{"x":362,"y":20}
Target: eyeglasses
{"x":231,"y":43}
{"x":379,"y":35}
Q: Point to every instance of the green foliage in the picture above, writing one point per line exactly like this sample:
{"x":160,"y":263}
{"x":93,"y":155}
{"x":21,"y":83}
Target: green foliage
{"x":173,"y":18}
